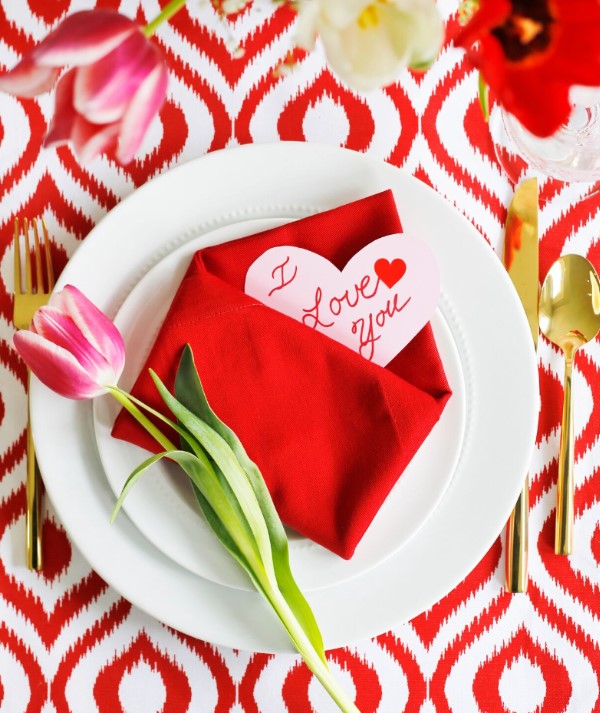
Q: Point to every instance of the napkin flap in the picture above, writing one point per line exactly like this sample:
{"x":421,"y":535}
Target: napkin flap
{"x":330,"y":431}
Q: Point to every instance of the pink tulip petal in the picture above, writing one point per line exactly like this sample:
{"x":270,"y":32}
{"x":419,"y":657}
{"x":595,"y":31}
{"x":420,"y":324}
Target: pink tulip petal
{"x":95,"y":326}
{"x":83,"y":38}
{"x":140,"y":112}
{"x":55,"y":367}
{"x":104,"y":89}
{"x":28,"y":79}
{"x":63,"y":122}
{"x":89,"y":139}
{"x":58,"y":328}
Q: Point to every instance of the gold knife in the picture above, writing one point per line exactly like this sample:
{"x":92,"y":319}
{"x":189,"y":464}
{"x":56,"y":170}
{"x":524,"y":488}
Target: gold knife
{"x":521,"y":259}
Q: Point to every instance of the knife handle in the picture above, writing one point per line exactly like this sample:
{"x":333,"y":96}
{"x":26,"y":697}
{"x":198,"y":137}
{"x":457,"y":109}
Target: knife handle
{"x":563,"y":534}
{"x":517,"y":543}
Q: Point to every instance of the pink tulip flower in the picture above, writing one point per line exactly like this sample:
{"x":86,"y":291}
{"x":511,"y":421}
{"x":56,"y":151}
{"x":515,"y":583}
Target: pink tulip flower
{"x":116,"y":84}
{"x":72,"y":347}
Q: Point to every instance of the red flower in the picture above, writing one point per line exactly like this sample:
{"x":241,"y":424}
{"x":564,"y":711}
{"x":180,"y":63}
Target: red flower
{"x":531,"y":52}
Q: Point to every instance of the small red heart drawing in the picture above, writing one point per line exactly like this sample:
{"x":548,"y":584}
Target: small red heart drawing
{"x":390,"y":272}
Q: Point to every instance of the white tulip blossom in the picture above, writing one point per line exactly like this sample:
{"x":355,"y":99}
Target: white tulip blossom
{"x":369,"y":42}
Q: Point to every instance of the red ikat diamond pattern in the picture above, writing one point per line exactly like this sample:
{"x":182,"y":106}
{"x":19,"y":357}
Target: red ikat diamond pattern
{"x":70,"y":643}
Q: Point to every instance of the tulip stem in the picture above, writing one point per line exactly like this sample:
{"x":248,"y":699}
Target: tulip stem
{"x":167,"y":13}
{"x":124,"y":399}
{"x":484,"y":98}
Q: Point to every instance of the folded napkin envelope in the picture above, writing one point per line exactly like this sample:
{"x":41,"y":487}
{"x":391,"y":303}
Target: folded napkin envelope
{"x":330,"y":431}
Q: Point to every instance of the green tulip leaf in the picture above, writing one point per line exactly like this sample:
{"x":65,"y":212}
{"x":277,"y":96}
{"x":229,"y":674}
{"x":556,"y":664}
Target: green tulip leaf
{"x":190,"y":392}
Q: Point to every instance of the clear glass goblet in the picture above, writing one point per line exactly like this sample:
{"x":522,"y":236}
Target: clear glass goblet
{"x":572,"y":154}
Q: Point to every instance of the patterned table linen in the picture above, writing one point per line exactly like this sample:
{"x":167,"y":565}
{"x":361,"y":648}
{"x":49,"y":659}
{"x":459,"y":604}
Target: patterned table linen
{"x":69,"y":642}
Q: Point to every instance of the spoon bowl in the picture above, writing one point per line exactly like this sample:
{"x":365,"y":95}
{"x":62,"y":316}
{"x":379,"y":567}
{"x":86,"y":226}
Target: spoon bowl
{"x":569,"y":315}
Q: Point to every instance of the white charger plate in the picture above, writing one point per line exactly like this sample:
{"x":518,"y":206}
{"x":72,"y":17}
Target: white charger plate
{"x":287,"y":180}
{"x":162,"y":504}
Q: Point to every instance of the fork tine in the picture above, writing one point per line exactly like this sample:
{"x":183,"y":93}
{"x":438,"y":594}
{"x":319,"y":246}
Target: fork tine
{"x":49,"y":265}
{"x":28,"y":287}
{"x":17,"y":253}
{"x":38,"y":258}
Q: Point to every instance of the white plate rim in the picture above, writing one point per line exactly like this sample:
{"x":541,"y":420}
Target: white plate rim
{"x":472,"y":511}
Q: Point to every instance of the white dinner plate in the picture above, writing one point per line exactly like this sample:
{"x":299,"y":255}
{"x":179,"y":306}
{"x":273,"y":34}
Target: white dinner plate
{"x":162,"y":504}
{"x":487,"y":323}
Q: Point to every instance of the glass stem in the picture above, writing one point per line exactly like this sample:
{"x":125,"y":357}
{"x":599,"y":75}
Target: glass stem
{"x":167,"y":13}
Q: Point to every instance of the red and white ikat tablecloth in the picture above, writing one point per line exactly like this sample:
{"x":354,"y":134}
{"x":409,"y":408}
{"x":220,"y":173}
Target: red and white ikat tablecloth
{"x":68,"y":641}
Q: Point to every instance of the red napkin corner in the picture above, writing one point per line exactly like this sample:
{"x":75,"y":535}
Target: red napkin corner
{"x":330,"y":431}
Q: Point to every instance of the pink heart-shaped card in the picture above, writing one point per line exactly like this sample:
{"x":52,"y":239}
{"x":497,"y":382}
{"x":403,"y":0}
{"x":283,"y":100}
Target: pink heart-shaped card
{"x":383,"y":297}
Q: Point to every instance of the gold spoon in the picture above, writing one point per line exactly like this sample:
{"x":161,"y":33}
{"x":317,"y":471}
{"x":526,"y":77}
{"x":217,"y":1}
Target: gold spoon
{"x":569,"y":314}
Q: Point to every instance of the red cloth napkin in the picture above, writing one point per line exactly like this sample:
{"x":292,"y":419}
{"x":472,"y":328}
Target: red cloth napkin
{"x":330,"y":431}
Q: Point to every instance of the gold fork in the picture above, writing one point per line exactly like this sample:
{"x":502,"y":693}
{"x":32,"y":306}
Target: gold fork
{"x":27,"y":302}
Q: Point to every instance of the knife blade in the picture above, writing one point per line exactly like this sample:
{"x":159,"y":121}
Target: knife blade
{"x":521,"y":260}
